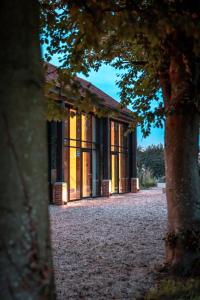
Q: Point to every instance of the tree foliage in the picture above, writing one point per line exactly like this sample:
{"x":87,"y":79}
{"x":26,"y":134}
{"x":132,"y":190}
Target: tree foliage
{"x":136,"y":37}
{"x":156,"y":47}
{"x":152,"y":158}
{"x":60,"y":83}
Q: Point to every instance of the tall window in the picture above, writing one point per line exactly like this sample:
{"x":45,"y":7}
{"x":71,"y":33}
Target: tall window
{"x":81,"y":156}
{"x":86,"y":144}
{"x":119,"y":157}
{"x":72,"y":153}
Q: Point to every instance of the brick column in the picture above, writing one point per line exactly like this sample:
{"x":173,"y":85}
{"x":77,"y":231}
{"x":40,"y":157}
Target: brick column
{"x":135,"y":185}
{"x":60,"y":193}
{"x":106,"y":187}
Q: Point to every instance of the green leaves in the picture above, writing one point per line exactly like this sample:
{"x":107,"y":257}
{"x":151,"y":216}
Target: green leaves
{"x":54,"y":111}
{"x":151,"y":158}
{"x":136,"y":37}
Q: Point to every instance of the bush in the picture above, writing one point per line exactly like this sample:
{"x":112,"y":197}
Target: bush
{"x":175,"y":290}
{"x":146,"y":178}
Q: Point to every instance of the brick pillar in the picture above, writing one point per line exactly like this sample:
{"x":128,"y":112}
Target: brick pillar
{"x":135,"y":185}
{"x":60,"y":193}
{"x":106,"y":187}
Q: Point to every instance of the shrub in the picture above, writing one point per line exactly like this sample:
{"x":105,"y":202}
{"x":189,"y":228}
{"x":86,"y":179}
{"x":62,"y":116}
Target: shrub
{"x":146,"y":178}
{"x":175,"y":290}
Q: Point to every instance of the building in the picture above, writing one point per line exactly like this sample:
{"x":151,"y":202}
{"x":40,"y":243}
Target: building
{"x":90,"y":156}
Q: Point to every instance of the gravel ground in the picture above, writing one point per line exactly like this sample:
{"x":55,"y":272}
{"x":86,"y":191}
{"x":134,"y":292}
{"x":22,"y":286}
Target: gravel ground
{"x":107,"y":248}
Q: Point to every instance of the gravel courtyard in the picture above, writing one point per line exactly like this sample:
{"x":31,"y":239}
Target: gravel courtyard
{"x":106,"y":248}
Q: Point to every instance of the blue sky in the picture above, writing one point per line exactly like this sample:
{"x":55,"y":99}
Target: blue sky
{"x":105,"y":79}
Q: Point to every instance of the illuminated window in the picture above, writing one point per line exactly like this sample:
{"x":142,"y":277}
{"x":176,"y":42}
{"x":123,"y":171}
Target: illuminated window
{"x":81,"y":156}
{"x":119,"y":156}
{"x":112,"y":136}
{"x":72,"y":128}
{"x":74,"y":174}
{"x":86,"y":131}
{"x":114,"y":162}
{"x":86,"y":174}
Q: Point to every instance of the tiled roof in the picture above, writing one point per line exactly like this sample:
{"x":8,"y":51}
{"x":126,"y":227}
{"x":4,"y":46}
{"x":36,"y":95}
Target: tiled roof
{"x":51,"y":74}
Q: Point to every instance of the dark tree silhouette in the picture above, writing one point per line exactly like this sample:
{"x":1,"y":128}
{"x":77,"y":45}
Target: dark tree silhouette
{"x":25,"y":259}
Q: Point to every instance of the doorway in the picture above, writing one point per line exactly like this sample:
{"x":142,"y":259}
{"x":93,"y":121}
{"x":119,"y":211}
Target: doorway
{"x":86,"y":174}
{"x":114,"y":173}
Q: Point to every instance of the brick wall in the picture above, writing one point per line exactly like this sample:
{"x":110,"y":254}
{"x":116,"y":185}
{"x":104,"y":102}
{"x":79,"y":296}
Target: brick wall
{"x":134,"y":185}
{"x":106,"y":188}
{"x":60,"y":193}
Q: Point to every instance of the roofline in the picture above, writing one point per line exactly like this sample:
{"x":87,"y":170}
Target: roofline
{"x":125,"y":112}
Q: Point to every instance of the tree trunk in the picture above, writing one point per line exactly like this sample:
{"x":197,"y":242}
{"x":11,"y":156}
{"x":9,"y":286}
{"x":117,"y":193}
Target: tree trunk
{"x":182,"y":178}
{"x":25,"y":261}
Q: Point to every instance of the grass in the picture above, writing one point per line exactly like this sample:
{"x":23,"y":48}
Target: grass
{"x":179,"y":289}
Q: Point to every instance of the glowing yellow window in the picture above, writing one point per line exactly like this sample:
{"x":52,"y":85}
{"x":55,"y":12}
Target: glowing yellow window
{"x":72,"y":129}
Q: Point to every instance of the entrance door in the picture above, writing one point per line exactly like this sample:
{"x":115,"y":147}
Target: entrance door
{"x":86,"y":173}
{"x":115,"y":172}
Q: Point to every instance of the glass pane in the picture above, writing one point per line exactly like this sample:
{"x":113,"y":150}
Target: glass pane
{"x":122,"y":173}
{"x":86,"y":174}
{"x":121,"y":135}
{"x":72,"y":129}
{"x":74,"y":184}
{"x":86,"y":131}
{"x":116,"y":139}
{"x":114,"y":173}
{"x":112,"y":133}
{"x":95,"y":174}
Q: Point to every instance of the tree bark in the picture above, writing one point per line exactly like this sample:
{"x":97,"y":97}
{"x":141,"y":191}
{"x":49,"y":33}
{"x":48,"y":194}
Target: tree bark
{"x":182,"y":178}
{"x":25,"y":262}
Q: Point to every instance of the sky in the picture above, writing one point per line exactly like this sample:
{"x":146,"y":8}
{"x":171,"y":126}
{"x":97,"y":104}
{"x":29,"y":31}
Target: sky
{"x":105,"y":79}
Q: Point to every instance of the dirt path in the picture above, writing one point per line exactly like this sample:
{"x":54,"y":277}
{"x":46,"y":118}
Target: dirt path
{"x":107,"y":248}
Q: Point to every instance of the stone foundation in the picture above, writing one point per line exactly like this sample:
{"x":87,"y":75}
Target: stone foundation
{"x":106,"y":187}
{"x":124,"y":186}
{"x":60,"y":193}
{"x":127,"y":185}
{"x":135,"y":185}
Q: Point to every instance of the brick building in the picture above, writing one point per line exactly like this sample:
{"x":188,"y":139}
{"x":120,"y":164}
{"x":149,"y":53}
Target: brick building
{"x":90,"y":156}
